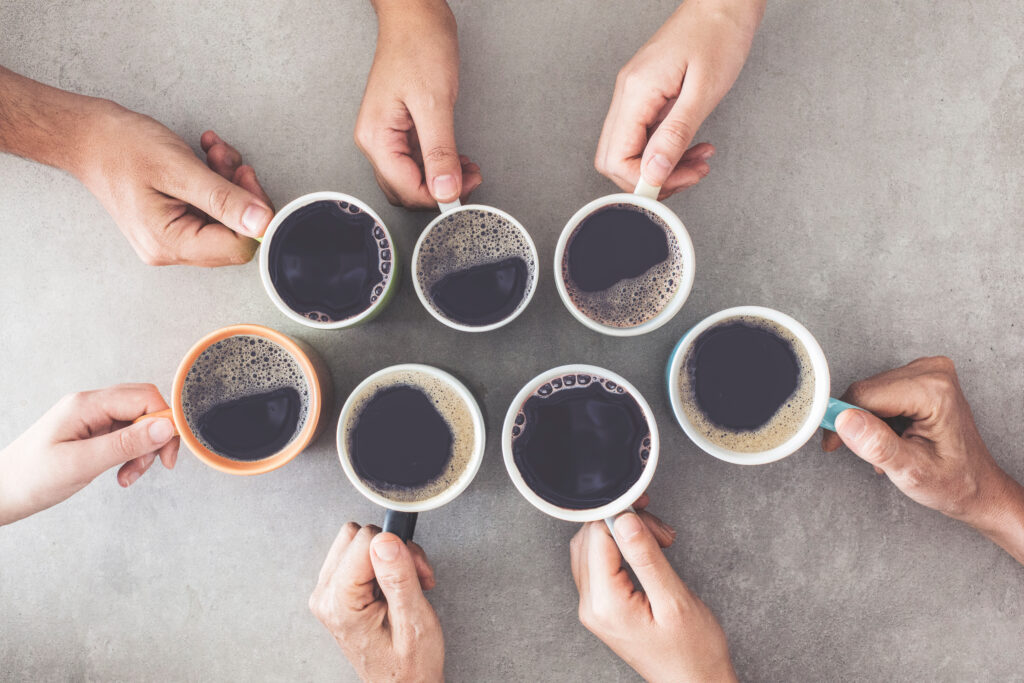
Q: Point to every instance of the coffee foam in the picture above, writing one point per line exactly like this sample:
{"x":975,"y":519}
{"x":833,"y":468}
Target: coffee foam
{"x":452,"y":408}
{"x":786,"y":421}
{"x":631,"y":301}
{"x":571,"y":381}
{"x":239,"y":366}
{"x":467,"y":238}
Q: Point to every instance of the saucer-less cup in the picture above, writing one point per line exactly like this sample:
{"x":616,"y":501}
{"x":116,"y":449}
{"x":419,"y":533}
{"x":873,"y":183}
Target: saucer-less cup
{"x":645,"y":197}
{"x":447,"y":210}
{"x":400,"y":517}
{"x":264,"y":260}
{"x":824,"y":409}
{"x":318,"y":382}
{"x":608,"y":511}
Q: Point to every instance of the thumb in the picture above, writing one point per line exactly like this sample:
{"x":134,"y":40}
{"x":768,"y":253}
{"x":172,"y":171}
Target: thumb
{"x":871,"y":439}
{"x":640,"y":549}
{"x":222,"y":200}
{"x":397,"y":577}
{"x":442,"y":167}
{"x":122,"y":445}
{"x":672,"y":138}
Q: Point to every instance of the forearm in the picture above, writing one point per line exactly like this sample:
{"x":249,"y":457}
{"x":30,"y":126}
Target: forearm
{"x":412,"y":13}
{"x":1004,"y":523}
{"x":42,"y":123}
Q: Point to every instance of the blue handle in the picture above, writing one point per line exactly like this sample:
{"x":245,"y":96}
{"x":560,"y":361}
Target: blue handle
{"x":835,"y":406}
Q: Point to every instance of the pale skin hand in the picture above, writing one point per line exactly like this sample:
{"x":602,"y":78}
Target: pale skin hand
{"x":940,"y":461}
{"x":663,"y":630}
{"x":664,"y":93}
{"x":370,"y":597}
{"x":406,"y":125}
{"x":81,"y":437}
{"x":173,"y":208}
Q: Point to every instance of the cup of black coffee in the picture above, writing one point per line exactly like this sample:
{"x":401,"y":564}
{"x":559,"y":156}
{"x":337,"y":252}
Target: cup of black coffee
{"x":328,"y":261}
{"x":580,"y":443}
{"x":247,"y":399}
{"x":410,"y":438}
{"x":474,"y":267}
{"x":624,"y":263}
{"x":750,"y":385}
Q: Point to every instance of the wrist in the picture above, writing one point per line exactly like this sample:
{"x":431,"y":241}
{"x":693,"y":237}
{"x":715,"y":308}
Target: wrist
{"x":418,"y":15}
{"x":1001,"y":517}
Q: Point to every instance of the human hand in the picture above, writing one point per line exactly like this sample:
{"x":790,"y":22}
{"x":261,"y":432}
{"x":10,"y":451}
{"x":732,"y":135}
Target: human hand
{"x":406,"y":125}
{"x":173,"y":208}
{"x":940,"y":461}
{"x":82,"y":436}
{"x":663,"y":630}
{"x":664,"y":93}
{"x":370,"y":597}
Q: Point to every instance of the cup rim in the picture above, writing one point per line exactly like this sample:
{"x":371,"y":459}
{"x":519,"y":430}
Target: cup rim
{"x":472,"y":467}
{"x":264,"y":259}
{"x":592,"y":514}
{"x":286,"y":454}
{"x":673,"y":222}
{"x":422,"y":296}
{"x":819,"y":402}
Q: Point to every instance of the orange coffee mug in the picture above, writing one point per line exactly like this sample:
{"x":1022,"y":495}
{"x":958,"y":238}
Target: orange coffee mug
{"x":317,"y":380}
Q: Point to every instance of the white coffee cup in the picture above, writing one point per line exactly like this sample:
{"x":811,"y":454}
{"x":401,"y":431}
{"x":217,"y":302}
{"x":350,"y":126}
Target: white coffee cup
{"x":264,"y":260}
{"x":447,"y":209}
{"x":400,"y":518}
{"x":822,"y":413}
{"x":644,"y":197}
{"x":607,"y":511}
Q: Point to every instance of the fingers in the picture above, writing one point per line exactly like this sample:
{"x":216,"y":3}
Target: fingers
{"x":133,"y":469}
{"x":633,"y":109}
{"x":397,"y":577}
{"x":423,"y":569}
{"x":435,"y":128}
{"x":197,"y":243}
{"x":120,"y":446}
{"x":337,"y":550}
{"x":670,"y":141}
{"x":601,"y":575}
{"x":221,"y":157}
{"x":664,"y":534}
{"x":873,"y":440}
{"x":352,"y":580}
{"x":640,"y":549}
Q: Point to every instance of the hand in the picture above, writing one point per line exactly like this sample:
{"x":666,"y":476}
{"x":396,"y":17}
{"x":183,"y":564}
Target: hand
{"x":82,"y":436}
{"x":173,"y":208}
{"x":668,"y":88}
{"x":663,"y":631}
{"x":406,"y":124}
{"x":940,"y":461}
{"x":370,"y":597}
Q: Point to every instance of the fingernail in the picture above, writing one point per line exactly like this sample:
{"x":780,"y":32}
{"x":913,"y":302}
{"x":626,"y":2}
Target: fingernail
{"x":666,"y":528}
{"x":255,"y":219}
{"x":160,"y":430}
{"x":658,"y":168}
{"x":707,"y":155}
{"x":445,"y":187}
{"x":386,"y":549}
{"x":133,"y":477}
{"x":850,"y":424}
{"x":627,"y":526}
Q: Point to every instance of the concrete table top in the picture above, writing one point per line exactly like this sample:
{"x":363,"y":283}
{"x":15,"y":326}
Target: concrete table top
{"x":868,"y":182}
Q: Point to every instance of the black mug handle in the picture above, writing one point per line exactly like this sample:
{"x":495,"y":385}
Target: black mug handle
{"x":401,"y":524}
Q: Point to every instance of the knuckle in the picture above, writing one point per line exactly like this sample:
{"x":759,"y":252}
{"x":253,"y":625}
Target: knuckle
{"x":395,"y":582}
{"x":676,"y":133}
{"x":586,"y":616}
{"x":363,"y":136}
{"x":74,"y":402}
{"x":219,"y":200}
{"x":439,"y":154}
{"x":914,"y":478}
{"x":126,"y":444}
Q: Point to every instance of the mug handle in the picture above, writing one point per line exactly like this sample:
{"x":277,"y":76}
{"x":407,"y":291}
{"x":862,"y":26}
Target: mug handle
{"x":445,"y":207}
{"x":168,"y":413}
{"x":898,"y":423}
{"x":645,"y":189}
{"x":401,"y":524}
{"x":610,"y":521}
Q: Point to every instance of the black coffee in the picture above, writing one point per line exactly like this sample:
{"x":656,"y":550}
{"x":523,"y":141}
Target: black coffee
{"x":747,"y":384}
{"x":580,"y":441}
{"x":245,"y":398}
{"x":409,"y":436}
{"x":622,"y":265}
{"x":252,"y":427}
{"x":330,"y":261}
{"x":475,"y":267}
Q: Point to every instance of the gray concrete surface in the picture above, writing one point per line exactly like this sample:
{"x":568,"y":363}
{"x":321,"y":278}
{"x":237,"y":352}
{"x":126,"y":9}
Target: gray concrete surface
{"x":868,"y":182}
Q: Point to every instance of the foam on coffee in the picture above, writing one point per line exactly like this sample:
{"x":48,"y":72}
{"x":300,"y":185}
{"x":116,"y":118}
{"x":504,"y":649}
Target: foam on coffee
{"x":453,"y":410}
{"x":465,"y":239}
{"x":782,"y":425}
{"x":635,"y":300}
{"x":237,"y":367}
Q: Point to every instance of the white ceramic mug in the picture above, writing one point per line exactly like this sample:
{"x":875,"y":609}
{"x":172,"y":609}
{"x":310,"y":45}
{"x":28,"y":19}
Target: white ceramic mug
{"x":447,"y":209}
{"x":822,"y":413}
{"x":645,"y":197}
{"x":400,"y":518}
{"x":608,"y":511}
{"x":264,"y":260}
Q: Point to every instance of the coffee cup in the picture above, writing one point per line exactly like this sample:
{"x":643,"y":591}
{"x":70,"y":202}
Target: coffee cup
{"x":580,"y":443}
{"x":248,"y":399}
{"x":410,"y":438}
{"x":328,"y":261}
{"x":624,"y":263}
{"x":475,"y":267}
{"x":750,"y":385}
